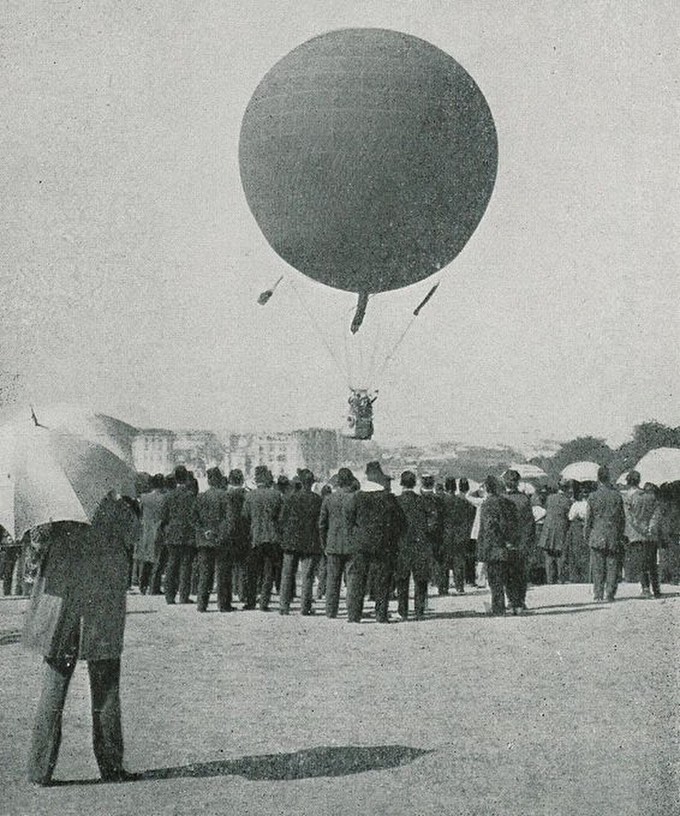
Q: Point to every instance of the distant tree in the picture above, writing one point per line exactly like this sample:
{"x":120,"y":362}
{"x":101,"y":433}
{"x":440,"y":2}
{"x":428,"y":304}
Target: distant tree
{"x":581,"y":449}
{"x":646,"y":436}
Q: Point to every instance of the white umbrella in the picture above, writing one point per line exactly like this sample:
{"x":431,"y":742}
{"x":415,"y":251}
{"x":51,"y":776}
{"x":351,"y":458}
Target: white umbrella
{"x":581,"y":472}
{"x":659,"y":465}
{"x":48,"y":475}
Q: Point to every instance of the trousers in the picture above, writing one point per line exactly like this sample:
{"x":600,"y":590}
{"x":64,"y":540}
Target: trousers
{"x":262,"y":561}
{"x":496,"y":573}
{"x":307,"y":565}
{"x":516,"y":580}
{"x":336,"y":563}
{"x":214,"y":566}
{"x":605,"y":567}
{"x":357,"y":576}
{"x":649,"y":572}
{"x":107,"y":732}
{"x":178,"y":573}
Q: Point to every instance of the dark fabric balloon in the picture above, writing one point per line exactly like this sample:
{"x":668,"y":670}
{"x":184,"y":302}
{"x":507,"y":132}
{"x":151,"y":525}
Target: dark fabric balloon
{"x":368,"y":157}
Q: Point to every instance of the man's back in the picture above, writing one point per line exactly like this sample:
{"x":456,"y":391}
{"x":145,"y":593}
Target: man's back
{"x":375,"y":521}
{"x":605,"y":520}
{"x":262,"y":508}
{"x":333,"y":523}
{"x":300,"y":522}
{"x":176,"y":517}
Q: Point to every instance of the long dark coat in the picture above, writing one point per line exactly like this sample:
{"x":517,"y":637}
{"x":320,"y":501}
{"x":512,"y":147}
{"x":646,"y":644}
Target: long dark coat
{"x":78,"y":603}
{"x":209,"y":513}
{"x":262,"y":511}
{"x":177,"y":524}
{"x":375,"y":523}
{"x":152,"y":506}
{"x":300,"y":523}
{"x":333,"y":529}
{"x":497,"y":529}
{"x":457,"y":517}
{"x":605,"y":519}
{"x":236,"y":532}
{"x":555,"y":524}
{"x":415,"y":546}
{"x":526,"y":526}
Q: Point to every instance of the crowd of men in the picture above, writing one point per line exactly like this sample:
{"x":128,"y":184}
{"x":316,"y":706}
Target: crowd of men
{"x":243,"y":542}
{"x":384,"y":542}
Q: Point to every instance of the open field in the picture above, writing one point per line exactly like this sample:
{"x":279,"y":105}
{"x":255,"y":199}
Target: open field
{"x":571,"y":710}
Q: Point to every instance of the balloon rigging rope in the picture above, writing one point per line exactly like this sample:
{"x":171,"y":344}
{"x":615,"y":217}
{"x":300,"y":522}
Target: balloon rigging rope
{"x":316,"y":325}
{"x":391,"y":354}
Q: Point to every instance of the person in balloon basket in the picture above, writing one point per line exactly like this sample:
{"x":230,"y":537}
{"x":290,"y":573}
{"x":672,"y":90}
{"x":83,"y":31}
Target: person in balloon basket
{"x":375,"y":522}
{"x":262,"y":513}
{"x":518,"y":555}
{"x":337,"y":544}
{"x":300,"y":542}
{"x":178,"y":533}
{"x":498,"y":534}
{"x":77,"y":611}
{"x":415,"y":549}
{"x":604,"y":531}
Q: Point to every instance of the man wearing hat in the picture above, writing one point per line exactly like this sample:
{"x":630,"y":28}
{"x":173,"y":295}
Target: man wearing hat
{"x":300,"y":542}
{"x":553,"y":540}
{"x":434,"y":507}
{"x":518,"y":556}
{"x":209,"y":514}
{"x":604,"y":529}
{"x":498,"y":533}
{"x":415,"y":551}
{"x":262,"y":510}
{"x":335,"y":539}
{"x":375,"y":523}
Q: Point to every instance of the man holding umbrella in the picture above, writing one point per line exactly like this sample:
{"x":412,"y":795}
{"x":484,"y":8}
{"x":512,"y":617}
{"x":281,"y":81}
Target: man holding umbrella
{"x":78,"y":612}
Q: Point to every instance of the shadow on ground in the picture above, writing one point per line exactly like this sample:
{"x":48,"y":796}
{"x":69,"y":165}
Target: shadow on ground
{"x":305,"y":764}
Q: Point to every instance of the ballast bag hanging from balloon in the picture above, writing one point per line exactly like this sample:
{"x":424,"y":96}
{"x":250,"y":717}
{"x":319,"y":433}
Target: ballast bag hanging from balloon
{"x":367,"y":158}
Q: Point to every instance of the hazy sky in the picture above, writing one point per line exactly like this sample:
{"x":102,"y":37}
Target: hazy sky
{"x":131,"y":264}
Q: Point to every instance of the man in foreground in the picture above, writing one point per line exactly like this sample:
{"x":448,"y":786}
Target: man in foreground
{"x":77,"y":612}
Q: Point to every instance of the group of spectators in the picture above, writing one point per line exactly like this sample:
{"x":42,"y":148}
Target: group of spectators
{"x":383,"y":542}
{"x":244,"y":542}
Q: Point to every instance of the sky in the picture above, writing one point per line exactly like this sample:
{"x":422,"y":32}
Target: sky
{"x":130,"y":263}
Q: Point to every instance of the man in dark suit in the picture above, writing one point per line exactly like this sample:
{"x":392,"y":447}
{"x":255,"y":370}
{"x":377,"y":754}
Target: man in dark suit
{"x":300,"y":543}
{"x":603,"y":530}
{"x":209,"y":516}
{"x":518,"y":555}
{"x":262,"y":511}
{"x":236,"y":537}
{"x":335,"y":538}
{"x":375,"y":522}
{"x":456,"y":525}
{"x":77,"y":611}
{"x":415,"y":549}
{"x":497,"y":535}
{"x":553,"y":540}
{"x":433,"y":503}
{"x":178,"y":534}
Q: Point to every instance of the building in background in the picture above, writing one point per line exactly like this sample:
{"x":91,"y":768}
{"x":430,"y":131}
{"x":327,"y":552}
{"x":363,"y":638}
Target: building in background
{"x":152,"y":450}
{"x":280,"y":452}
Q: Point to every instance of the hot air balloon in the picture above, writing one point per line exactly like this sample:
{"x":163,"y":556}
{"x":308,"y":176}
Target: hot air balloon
{"x":367,"y":157}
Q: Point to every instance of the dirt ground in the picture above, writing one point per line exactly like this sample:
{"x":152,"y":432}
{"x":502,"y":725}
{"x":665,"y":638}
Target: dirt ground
{"x":571,"y":710}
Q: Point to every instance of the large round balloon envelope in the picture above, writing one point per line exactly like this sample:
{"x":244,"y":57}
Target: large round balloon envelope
{"x":368,"y":158}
